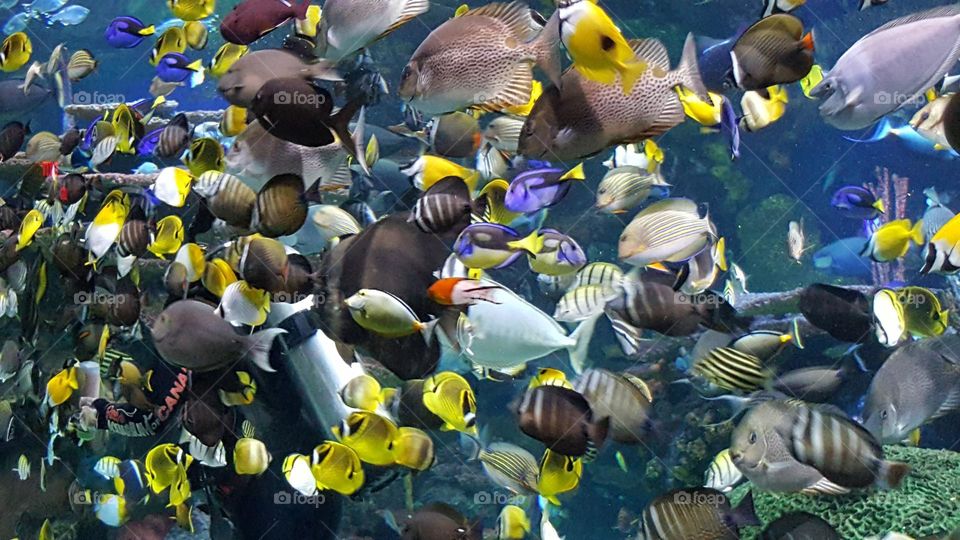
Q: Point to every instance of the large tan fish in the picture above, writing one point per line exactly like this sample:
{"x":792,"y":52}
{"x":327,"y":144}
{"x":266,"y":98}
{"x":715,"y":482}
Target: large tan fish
{"x":483,"y":58}
{"x":583,"y":117}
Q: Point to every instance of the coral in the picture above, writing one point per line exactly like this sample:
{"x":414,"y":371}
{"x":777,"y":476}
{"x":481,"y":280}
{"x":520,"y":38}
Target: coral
{"x":896,"y":204}
{"x":735,"y":184}
{"x":928,"y":502}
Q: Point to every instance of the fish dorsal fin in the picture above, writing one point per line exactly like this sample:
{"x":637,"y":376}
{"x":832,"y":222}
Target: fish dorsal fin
{"x":673,"y":205}
{"x":949,"y":405}
{"x":652,"y":51}
{"x":942,"y":11}
{"x":516,"y":15}
{"x":404,"y":304}
{"x":780,"y":22}
{"x":411,"y":9}
{"x":824,"y":487}
{"x":516,"y":92}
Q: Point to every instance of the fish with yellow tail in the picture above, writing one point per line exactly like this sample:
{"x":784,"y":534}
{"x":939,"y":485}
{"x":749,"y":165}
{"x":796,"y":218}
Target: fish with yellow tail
{"x":892,"y":240}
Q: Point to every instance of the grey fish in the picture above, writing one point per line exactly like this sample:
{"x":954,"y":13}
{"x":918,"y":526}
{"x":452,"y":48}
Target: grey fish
{"x":583,"y":117}
{"x":257,"y":156}
{"x":624,"y":188}
{"x":9,"y":360}
{"x":816,"y":384}
{"x":483,"y":58}
{"x":799,"y":526}
{"x":820,"y":437}
{"x":890,"y":67}
{"x":918,"y":383}
{"x":762,"y":452}
{"x":14,"y":100}
{"x":240,"y":84}
{"x":190,"y":334}
{"x":620,"y":398}
{"x":350,"y":25}
{"x":936,"y":215}
{"x":772,"y":51}
{"x":683,"y":514}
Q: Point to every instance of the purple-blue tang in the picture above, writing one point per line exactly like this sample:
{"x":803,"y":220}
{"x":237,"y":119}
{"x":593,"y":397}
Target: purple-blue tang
{"x":491,"y":245}
{"x":175,"y":67}
{"x":856,"y":202}
{"x":539,"y":188}
{"x":127,"y":32}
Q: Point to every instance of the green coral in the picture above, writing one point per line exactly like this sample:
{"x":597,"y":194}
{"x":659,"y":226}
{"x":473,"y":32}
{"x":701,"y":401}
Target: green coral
{"x":927,"y":504}
{"x":735,"y":184}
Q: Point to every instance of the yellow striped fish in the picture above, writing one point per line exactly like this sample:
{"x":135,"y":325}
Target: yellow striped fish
{"x":511,"y":467}
{"x":667,"y":231}
{"x":732,"y":370}
{"x":624,"y":188}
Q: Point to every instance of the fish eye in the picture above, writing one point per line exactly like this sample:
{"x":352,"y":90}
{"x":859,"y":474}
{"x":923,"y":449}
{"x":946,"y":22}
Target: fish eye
{"x":623,"y":238}
{"x":753,"y":437}
{"x":884,"y":414}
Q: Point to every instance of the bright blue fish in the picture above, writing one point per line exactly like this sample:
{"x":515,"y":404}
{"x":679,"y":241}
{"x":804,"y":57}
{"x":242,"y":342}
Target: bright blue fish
{"x":912,"y":140}
{"x":856,"y":202}
{"x":729,"y":124}
{"x":175,"y":67}
{"x":842,"y":258}
{"x":126,"y":32}
{"x":539,"y":188}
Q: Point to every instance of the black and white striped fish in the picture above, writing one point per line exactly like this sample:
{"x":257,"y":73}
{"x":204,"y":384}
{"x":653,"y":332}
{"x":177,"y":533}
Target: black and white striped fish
{"x":722,"y":474}
{"x":732,"y":370}
{"x":842,"y":450}
{"x":581,"y":303}
{"x":443,"y":206}
{"x":605,"y":274}
{"x":174,"y":138}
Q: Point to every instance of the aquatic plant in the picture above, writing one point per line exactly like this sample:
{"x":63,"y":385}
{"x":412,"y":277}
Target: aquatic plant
{"x":928,"y":502}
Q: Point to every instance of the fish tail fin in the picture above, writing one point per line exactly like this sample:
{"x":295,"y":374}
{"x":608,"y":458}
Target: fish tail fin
{"x":259,"y":347}
{"x":581,"y":343}
{"x":890,"y":474}
{"x":880,"y":206}
{"x":916,"y":233}
{"x":147,"y":31}
{"x":720,"y":254}
{"x":745,"y":514}
{"x":808,"y":42}
{"x":532,"y":244}
{"x":352,"y":143}
{"x":546,"y":47}
{"x":883,"y":129}
{"x":689,"y":70}
{"x":575,"y":173}
{"x":795,"y":335}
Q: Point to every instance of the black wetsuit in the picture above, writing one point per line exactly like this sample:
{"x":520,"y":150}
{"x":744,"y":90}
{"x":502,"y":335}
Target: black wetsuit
{"x":168,"y":386}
